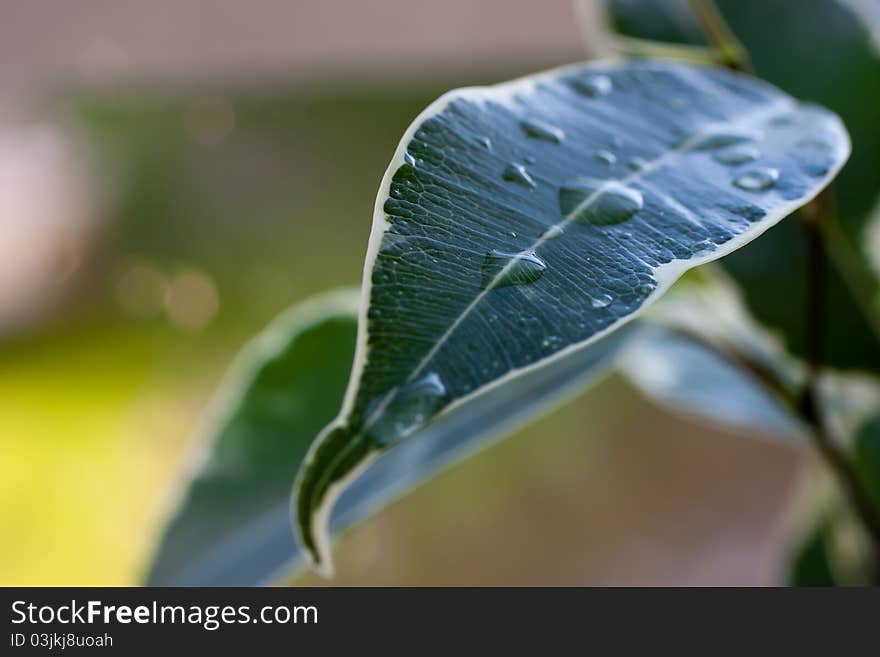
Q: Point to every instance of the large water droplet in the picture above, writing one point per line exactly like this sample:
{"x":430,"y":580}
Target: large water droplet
{"x":593,"y":86}
{"x":543,"y":131}
{"x":606,"y":157}
{"x":516,"y":173}
{"x":757,"y":180}
{"x":405,"y":409}
{"x":552,"y":232}
{"x":501,"y":269}
{"x":601,"y":301}
{"x":737,"y":154}
{"x":599,"y":202}
{"x":719,"y":138}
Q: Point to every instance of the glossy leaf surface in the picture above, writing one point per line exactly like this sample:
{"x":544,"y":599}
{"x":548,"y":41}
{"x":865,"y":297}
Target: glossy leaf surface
{"x":827,"y":52}
{"x":518,"y":224}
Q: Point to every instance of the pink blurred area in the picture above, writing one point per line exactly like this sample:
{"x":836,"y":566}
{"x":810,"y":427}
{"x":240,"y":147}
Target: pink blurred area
{"x":220,"y":40}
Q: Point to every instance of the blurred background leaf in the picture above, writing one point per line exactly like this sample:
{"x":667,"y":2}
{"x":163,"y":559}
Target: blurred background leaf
{"x":843,"y":75}
{"x":866,"y":455}
{"x":231,"y":526}
{"x":811,"y":561}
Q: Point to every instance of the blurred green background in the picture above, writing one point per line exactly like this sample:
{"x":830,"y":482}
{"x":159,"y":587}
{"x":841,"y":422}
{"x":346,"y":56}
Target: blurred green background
{"x":172,"y":176}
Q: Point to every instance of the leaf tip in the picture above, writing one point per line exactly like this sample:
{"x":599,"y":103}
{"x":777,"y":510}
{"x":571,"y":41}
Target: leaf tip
{"x":337,"y":457}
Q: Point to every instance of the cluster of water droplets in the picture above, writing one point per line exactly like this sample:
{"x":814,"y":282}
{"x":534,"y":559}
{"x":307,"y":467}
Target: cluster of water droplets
{"x":735,"y":148}
{"x":405,"y":409}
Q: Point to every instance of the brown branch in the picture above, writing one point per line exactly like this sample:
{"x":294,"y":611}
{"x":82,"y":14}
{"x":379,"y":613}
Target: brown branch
{"x":730,"y":50}
{"x":816,"y":219}
{"x":821,"y":212}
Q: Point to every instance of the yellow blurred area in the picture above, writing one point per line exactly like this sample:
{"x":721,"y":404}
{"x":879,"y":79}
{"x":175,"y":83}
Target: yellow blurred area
{"x":89,"y":436}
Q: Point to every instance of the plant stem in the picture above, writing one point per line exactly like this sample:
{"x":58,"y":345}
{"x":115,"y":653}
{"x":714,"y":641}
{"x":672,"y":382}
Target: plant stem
{"x":678,"y":52}
{"x":730,"y":50}
{"x":769,"y":380}
{"x":822,"y":212}
{"x":857,"y":277}
{"x":817,"y":219}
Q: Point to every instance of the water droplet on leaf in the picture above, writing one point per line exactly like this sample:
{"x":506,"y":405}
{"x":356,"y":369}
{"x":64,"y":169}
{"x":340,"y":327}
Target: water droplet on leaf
{"x":738,"y":154}
{"x":601,"y":301}
{"x":597,"y":202}
{"x":485,"y":142}
{"x":405,"y":409}
{"x":593,"y":86}
{"x":606,"y":157}
{"x":637,"y":164}
{"x":757,"y":180}
{"x":501,"y":269}
{"x":516,"y":173}
{"x":543,"y":131}
{"x":719,"y":138}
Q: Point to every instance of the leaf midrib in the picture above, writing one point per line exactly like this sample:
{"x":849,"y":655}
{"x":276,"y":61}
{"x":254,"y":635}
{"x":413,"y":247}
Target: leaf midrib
{"x":762,"y":115}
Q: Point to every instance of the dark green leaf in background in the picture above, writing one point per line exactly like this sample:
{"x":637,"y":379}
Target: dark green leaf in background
{"x":866,"y":455}
{"x":686,"y":374}
{"x":811,"y":562}
{"x":232,"y":525}
{"x":826,"y":51}
{"x":519,"y":223}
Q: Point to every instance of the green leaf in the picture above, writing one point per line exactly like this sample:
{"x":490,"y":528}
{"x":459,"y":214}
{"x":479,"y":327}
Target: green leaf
{"x":520,"y":223}
{"x":693,"y":377}
{"x":232,"y":526}
{"x":842,"y":74}
{"x":701,"y":354}
{"x":811,"y":561}
{"x":866,"y":456}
